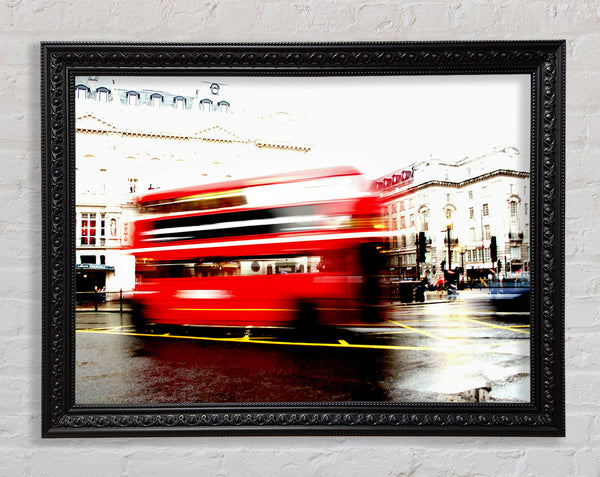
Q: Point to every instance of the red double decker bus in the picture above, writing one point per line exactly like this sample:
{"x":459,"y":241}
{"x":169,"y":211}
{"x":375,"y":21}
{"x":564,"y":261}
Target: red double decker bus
{"x":294,"y":249}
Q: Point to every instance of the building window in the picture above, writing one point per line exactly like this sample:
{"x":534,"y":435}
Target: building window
{"x":486,"y":252}
{"x":102,"y":229}
{"x":485,"y":210}
{"x":206,"y":105}
{"x":88,"y":259}
{"x":402,"y":222}
{"x":102,"y":177}
{"x":515,"y":253}
{"x":157,"y":100}
{"x":179,"y":102}
{"x":132,"y":98}
{"x":410,"y":203}
{"x":401,"y":205}
{"x":223,"y":106}
{"x":132,"y":185}
{"x":447,"y":197}
{"x":472,"y":236}
{"x":470,"y":195}
{"x":486,"y":232}
{"x":81,"y":91}
{"x":526,"y":210}
{"x":513,"y":207}
{"x":394,"y":222}
{"x":103,"y":94}
{"x":425,"y":220}
{"x":411,"y":220}
{"x":403,"y":241}
{"x":88,"y":228}
{"x":448,"y":214}
{"x":471,"y":213}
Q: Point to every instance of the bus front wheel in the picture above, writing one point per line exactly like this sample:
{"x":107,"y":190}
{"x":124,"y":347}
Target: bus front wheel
{"x":308,"y":317}
{"x":137,"y":318}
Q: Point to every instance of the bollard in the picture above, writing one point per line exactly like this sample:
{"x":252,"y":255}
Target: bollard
{"x":96,"y":299}
{"x":121,"y":300}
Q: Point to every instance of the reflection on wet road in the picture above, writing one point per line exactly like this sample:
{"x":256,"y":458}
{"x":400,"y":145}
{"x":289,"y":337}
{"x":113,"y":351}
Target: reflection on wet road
{"x":437,"y":352}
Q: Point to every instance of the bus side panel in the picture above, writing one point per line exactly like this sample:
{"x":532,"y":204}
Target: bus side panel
{"x":265,"y":300}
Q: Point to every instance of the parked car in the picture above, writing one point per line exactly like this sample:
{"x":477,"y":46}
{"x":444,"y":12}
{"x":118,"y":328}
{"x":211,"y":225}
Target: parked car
{"x":511,"y":294}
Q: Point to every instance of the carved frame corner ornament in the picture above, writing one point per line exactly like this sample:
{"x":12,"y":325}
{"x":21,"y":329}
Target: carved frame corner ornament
{"x":544,"y":61}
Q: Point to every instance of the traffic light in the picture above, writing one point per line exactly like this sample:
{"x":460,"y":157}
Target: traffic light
{"x":493,"y":249}
{"x":422,"y":247}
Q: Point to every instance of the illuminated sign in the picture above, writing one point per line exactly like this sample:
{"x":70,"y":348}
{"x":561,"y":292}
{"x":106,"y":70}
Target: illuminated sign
{"x":396,"y":179}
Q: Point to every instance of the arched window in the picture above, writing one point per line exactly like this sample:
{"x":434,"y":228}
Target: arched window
{"x":513,"y":208}
{"x":133,"y":97}
{"x":82,"y":91}
{"x":179,"y":102}
{"x":157,"y":100}
{"x":206,"y":105}
{"x":425,"y":219}
{"x":103,"y":94}
{"x":223,"y":106}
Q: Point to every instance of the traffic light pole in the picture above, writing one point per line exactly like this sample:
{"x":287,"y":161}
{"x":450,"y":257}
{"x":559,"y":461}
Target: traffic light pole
{"x":449,"y":251}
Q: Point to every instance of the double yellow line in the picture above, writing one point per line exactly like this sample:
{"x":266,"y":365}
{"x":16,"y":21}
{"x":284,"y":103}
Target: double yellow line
{"x":247,"y":339}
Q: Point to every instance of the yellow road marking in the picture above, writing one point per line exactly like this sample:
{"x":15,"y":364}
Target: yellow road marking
{"x":247,"y":340}
{"x":390,"y":332}
{"x":107,"y":328}
{"x":429,"y":335}
{"x":491,"y":325}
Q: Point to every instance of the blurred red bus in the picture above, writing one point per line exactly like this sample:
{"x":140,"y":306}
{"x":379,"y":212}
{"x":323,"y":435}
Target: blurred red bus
{"x":295,"y":249}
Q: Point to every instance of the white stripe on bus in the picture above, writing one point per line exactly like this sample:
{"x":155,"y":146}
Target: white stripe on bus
{"x":234,"y":243}
{"x":236,"y":223}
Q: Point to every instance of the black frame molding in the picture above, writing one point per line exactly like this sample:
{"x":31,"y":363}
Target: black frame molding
{"x":544,"y":61}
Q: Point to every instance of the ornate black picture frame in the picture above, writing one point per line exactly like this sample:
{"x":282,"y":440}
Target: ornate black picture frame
{"x":543,"y":61}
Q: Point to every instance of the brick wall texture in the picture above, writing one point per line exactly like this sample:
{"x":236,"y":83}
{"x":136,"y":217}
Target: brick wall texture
{"x":24,"y":23}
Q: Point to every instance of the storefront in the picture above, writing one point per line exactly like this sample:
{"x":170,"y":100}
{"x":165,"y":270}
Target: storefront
{"x":90,"y":279}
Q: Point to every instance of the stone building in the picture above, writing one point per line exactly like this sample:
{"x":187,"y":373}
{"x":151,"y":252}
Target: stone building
{"x":461,"y":207}
{"x":131,"y":141}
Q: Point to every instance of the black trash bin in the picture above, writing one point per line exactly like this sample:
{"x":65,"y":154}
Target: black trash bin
{"x":407,"y":292}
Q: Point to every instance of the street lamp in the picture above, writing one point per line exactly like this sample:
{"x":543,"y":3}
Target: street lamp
{"x":448,"y":228}
{"x":463,"y":250}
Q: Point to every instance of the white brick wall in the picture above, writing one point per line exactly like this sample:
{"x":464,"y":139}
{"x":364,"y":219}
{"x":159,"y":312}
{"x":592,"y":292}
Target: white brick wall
{"x":24,"y":23}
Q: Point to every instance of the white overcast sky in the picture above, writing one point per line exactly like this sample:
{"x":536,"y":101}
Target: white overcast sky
{"x":381,"y":123}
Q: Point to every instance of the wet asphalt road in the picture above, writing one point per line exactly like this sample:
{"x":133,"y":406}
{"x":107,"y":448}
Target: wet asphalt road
{"x":435,"y":352}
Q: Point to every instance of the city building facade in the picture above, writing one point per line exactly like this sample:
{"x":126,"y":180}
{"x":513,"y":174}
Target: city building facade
{"x":131,"y":141}
{"x":465,"y":209}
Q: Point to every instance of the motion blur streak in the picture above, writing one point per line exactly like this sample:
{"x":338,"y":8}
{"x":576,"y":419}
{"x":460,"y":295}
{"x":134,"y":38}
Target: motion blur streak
{"x":299,"y":249}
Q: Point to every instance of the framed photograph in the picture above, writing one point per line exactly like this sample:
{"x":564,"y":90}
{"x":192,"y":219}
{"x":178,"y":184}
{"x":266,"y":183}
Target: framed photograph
{"x":343,"y":238}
